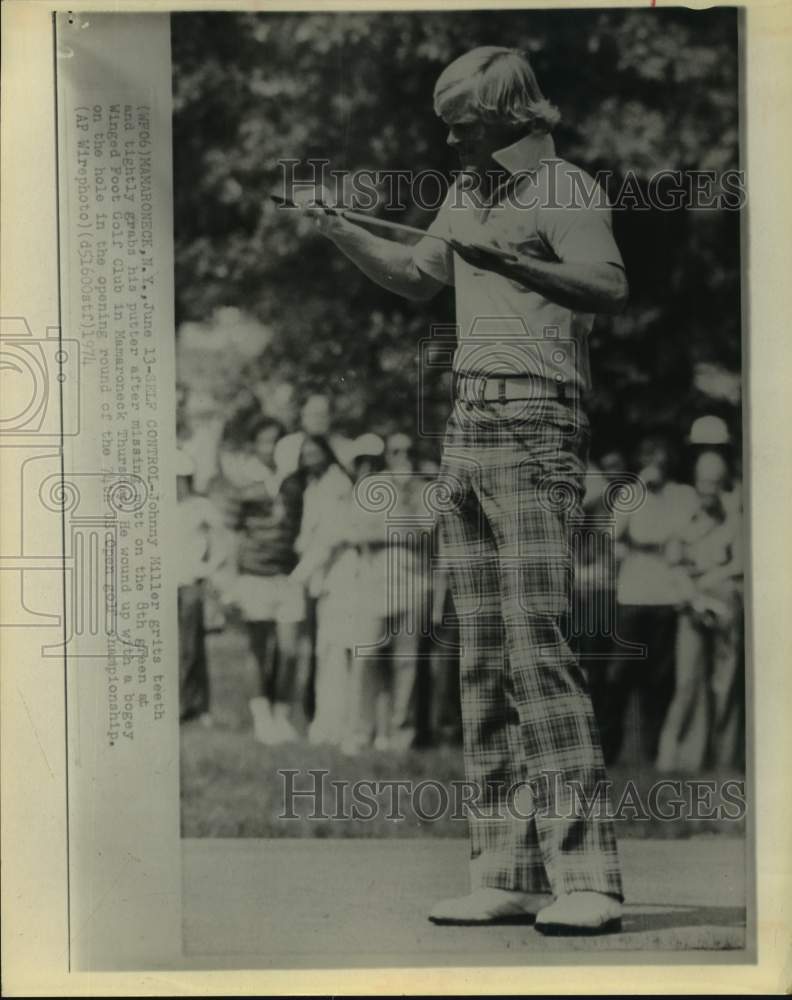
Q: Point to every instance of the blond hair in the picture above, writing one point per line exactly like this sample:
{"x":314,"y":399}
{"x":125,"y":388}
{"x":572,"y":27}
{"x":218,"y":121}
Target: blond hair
{"x":499,"y":85}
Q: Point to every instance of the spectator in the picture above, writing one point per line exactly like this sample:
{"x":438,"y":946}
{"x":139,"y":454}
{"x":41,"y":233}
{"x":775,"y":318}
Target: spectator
{"x":265,"y":511}
{"x":316,"y":419}
{"x":245,"y":409}
{"x":203,"y":548}
{"x":711,"y":434}
{"x":199,"y":442}
{"x":324,"y":486}
{"x":646,"y":596}
{"x":342,"y":605}
{"x":703,"y":721}
{"x":235,"y":446}
{"x":393,"y":588}
{"x":279,"y":400}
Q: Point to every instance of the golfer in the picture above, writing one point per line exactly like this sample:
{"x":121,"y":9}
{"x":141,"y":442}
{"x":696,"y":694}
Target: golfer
{"x":526,"y":241}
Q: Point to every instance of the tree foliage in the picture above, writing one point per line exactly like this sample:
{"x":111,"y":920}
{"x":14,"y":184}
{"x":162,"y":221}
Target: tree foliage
{"x":640,"y":91}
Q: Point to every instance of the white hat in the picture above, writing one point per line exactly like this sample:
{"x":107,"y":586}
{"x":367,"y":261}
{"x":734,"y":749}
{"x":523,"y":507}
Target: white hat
{"x":709,"y":430}
{"x":366,"y":444}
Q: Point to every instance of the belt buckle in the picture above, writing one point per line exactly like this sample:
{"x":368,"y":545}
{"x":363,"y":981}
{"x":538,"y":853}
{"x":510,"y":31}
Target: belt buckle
{"x":561,"y":393}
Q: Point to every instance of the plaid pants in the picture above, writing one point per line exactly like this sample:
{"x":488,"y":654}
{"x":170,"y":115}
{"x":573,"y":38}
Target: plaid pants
{"x":512,"y":480}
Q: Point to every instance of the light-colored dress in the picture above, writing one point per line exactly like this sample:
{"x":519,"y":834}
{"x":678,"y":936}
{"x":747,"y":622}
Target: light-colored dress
{"x":373,"y":590}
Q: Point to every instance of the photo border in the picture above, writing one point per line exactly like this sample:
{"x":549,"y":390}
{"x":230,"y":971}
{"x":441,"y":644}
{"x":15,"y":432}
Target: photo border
{"x":33,"y":740}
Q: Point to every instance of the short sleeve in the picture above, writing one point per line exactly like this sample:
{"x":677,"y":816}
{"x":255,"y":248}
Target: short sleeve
{"x":576,"y":222}
{"x":433,"y":256}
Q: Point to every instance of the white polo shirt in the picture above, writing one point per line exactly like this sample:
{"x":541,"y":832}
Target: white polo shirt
{"x":548,"y":209}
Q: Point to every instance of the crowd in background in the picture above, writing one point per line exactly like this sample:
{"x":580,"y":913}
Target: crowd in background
{"x":659,"y":604}
{"x":324,"y":549}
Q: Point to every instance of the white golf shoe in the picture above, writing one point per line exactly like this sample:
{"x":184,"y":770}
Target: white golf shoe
{"x":489,"y":906}
{"x":581,"y":913}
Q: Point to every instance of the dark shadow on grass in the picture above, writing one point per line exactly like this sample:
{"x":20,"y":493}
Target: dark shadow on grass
{"x":677,"y":917}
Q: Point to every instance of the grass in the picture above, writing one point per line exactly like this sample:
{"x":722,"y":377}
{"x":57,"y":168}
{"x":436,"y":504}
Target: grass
{"x":230,"y":785}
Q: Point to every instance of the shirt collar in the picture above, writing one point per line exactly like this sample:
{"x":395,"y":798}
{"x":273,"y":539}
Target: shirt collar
{"x":526,"y":154}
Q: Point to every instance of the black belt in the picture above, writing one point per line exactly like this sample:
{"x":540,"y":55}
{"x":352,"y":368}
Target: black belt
{"x":474,"y":387}
{"x":372,"y":546}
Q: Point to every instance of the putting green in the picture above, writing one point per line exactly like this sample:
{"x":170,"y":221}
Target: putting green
{"x":329,"y":903}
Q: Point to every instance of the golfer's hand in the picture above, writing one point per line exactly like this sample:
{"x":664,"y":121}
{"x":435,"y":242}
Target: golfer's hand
{"x":479,"y":256}
{"x":313,"y":204}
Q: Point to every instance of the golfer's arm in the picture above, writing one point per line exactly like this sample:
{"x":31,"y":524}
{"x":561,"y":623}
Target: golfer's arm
{"x":389,"y":264}
{"x":596,"y":288}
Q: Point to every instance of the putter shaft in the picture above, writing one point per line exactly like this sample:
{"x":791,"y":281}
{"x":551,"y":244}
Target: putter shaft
{"x":398,"y":227}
